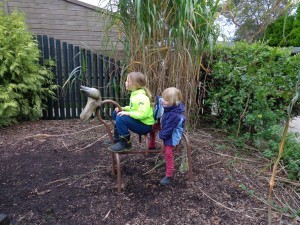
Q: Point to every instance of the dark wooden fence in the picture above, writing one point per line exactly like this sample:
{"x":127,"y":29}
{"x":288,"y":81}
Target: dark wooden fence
{"x":93,"y":70}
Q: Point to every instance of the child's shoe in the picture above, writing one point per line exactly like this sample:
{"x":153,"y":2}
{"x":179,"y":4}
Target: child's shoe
{"x":165,"y":181}
{"x":123,"y":145}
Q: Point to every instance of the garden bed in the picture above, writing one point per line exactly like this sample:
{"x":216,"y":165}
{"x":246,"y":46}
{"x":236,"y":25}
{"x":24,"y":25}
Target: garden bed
{"x":58,"y":172}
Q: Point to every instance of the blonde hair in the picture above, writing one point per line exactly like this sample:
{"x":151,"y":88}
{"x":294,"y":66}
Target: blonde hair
{"x":172,"y":95}
{"x":139,"y":80}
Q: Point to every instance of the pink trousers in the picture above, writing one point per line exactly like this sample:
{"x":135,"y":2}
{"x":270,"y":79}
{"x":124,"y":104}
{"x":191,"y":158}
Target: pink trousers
{"x":168,"y":151}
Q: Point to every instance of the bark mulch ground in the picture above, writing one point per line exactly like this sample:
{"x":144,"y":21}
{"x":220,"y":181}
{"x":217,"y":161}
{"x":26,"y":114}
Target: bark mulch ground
{"x":58,"y":172}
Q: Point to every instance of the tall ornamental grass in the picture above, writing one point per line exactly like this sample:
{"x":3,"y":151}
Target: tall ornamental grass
{"x":167,"y":41}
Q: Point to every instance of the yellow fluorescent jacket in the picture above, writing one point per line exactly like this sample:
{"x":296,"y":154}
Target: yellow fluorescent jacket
{"x":140,"y":107}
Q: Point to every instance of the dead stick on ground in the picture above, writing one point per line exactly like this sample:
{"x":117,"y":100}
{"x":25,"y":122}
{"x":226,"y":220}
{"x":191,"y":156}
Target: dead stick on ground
{"x":22,"y":217}
{"x":59,"y":180}
{"x":215,"y":163}
{"x":234,"y":157}
{"x":66,"y":146}
{"x":218,"y":203}
{"x":107,"y":214}
{"x":297,"y":184}
{"x":89,"y":145}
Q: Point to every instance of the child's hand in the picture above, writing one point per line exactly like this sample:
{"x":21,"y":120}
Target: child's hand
{"x":123,"y":113}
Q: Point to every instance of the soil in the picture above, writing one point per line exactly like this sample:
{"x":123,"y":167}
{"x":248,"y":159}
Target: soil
{"x":58,"y":172}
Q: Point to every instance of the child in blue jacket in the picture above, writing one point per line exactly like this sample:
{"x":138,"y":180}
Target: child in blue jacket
{"x":172,"y":127}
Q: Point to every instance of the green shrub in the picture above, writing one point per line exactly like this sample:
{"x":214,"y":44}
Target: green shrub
{"x":253,"y":85}
{"x":268,"y":141}
{"x":24,"y":84}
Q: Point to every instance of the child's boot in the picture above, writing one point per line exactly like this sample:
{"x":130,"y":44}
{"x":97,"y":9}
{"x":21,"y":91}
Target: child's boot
{"x":123,"y":145}
{"x":116,"y":137}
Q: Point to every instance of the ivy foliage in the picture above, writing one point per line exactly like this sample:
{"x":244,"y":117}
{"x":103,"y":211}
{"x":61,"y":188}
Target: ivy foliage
{"x":24,"y":83}
{"x":252,"y":86}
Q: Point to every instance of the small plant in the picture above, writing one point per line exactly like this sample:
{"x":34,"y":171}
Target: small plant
{"x":268,"y":153}
{"x":246,"y":189}
{"x":268,"y":141}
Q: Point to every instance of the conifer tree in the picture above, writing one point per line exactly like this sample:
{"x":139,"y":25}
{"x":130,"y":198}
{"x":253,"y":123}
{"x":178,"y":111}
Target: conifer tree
{"x":24,"y":83}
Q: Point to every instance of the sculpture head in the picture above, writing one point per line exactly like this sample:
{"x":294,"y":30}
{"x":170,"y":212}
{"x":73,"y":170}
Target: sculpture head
{"x":94,"y":101}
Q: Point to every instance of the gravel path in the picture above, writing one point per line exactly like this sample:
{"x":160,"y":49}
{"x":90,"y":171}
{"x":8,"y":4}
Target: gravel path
{"x":295,"y":124}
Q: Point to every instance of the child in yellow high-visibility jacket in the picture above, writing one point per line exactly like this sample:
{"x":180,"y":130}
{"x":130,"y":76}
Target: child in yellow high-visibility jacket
{"x":137,"y":117}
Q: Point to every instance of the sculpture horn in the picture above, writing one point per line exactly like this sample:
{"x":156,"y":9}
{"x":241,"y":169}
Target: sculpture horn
{"x":90,"y":92}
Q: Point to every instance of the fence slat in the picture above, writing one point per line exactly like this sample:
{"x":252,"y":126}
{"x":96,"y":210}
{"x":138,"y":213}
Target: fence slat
{"x":106,"y":84}
{"x":41,"y":61}
{"x":112,"y":82}
{"x":46,"y":57}
{"x":60,"y":79}
{"x":53,"y":69}
{"x":72,"y":82}
{"x":95,"y":73}
{"x":89,"y":67}
{"x":40,"y":46}
{"x":66,"y":73}
{"x":83,"y":71}
{"x":101,"y":82}
{"x":118,"y":77}
{"x":78,"y":94}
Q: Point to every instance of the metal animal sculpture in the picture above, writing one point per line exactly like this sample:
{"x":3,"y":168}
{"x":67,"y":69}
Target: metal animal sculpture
{"x":93,"y":104}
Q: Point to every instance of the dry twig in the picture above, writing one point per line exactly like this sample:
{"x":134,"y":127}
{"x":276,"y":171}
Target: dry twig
{"x":218,"y":203}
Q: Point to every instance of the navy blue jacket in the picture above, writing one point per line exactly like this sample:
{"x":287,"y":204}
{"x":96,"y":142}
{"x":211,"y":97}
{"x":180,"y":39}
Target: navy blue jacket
{"x":172,"y":125}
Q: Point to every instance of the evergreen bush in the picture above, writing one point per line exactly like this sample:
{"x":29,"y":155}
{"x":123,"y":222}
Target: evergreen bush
{"x":24,"y":83}
{"x":252,"y":86}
